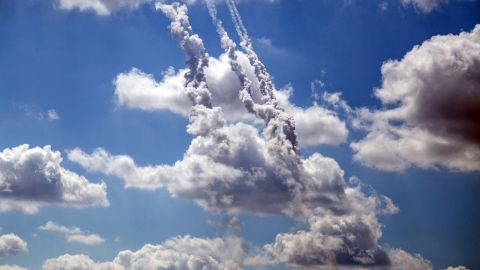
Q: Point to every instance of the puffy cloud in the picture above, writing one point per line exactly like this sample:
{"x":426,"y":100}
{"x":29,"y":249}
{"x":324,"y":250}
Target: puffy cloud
{"x":233,"y":170}
{"x":431,"y":112}
{"x":11,"y":244}
{"x":404,"y":260}
{"x":73,"y":234}
{"x":336,"y":240}
{"x":456,"y":268}
{"x":136,"y":89}
{"x":424,"y":5}
{"x":76,"y":262}
{"x":332,"y":240}
{"x":53,"y":115}
{"x":315,"y":125}
{"x":11,"y":267}
{"x":185,"y":252}
{"x":33,"y":177}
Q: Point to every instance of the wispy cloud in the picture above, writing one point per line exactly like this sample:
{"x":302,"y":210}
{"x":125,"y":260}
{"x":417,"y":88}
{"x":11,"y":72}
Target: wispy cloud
{"x":73,"y":234}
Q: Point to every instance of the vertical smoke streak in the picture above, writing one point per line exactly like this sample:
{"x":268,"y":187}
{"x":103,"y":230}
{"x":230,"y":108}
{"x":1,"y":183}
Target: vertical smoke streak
{"x":277,"y":121}
{"x":266,"y":85}
{"x":230,"y":49}
{"x":192,"y":44}
{"x":204,"y":118}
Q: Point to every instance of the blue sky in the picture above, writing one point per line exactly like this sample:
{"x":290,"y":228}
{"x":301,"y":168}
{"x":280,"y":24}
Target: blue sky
{"x":67,"y":61}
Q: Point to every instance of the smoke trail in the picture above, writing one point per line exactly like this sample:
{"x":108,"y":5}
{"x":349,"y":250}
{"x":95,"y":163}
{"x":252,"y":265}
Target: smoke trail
{"x":192,"y":44}
{"x":230,"y":49}
{"x":266,"y":85}
{"x":278,"y":123}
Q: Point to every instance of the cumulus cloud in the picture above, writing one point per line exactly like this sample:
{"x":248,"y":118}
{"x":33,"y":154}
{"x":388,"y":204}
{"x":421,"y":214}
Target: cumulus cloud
{"x":332,"y":240}
{"x":431,"y":114}
{"x":404,"y":260}
{"x":11,"y":244}
{"x":75,"y":262}
{"x":11,"y":267}
{"x":456,"y":268}
{"x":232,"y":170}
{"x":186,"y":253}
{"x":73,"y":234}
{"x":33,"y":177}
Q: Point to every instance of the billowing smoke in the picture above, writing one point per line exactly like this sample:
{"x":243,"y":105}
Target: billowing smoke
{"x":233,"y":168}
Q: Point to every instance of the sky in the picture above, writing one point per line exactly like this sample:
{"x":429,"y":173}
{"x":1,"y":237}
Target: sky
{"x":252,"y":134}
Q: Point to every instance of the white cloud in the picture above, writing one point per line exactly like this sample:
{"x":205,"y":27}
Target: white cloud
{"x":11,"y":244}
{"x":424,"y":5}
{"x":404,"y":260}
{"x":315,"y":125}
{"x":431,"y":108}
{"x":350,"y":239}
{"x":185,"y":253}
{"x":86,"y":239}
{"x":236,"y":175}
{"x":76,"y":262}
{"x":11,"y":267}
{"x":35,"y":111}
{"x":136,"y":89}
{"x":456,"y":268}
{"x":33,"y":177}
{"x":53,"y":115}
{"x":73,"y":234}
